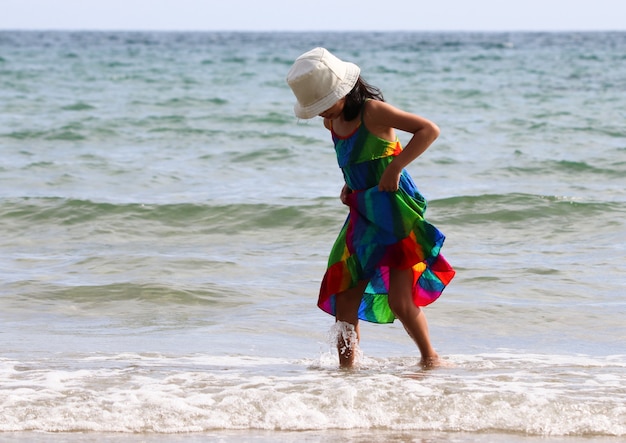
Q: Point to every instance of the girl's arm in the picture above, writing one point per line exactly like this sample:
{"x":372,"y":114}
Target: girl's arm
{"x":381,"y":119}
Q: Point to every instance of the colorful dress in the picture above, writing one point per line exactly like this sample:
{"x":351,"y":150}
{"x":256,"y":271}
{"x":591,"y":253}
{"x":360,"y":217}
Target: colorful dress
{"x":383,"y":230}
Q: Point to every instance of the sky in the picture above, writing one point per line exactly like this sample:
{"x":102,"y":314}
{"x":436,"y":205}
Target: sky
{"x":315,"y":15}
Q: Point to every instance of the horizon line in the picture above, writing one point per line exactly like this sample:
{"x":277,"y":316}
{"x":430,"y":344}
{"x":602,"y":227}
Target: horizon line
{"x":291,"y":31}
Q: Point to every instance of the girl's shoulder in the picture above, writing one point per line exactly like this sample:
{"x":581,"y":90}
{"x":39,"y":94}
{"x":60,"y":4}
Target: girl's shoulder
{"x":373,"y":105}
{"x":380,"y":118}
{"x":376,"y":112}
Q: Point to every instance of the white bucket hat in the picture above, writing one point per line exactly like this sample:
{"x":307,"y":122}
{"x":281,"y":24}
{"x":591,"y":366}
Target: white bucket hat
{"x":318,"y":79}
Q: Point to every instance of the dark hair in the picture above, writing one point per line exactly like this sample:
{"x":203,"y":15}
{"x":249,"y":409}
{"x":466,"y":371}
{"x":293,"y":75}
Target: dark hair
{"x":357,"y":97}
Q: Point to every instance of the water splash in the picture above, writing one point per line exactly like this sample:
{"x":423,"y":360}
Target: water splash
{"x":343,"y":335}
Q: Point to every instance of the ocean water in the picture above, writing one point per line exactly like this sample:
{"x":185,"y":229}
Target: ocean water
{"x":166,"y":222}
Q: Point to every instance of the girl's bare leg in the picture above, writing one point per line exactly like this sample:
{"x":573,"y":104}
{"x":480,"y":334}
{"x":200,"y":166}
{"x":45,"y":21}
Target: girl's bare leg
{"x":347,"y":311}
{"x":412,"y":317}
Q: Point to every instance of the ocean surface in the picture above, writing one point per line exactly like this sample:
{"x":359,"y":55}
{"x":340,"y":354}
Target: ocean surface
{"x":165,"y":222}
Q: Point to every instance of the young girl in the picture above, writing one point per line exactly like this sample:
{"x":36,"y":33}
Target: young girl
{"x":385,"y":264}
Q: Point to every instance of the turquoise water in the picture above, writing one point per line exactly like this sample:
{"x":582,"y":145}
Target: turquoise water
{"x":166,"y":222}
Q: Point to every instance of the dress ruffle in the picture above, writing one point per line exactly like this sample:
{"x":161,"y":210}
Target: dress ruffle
{"x":385,"y":230}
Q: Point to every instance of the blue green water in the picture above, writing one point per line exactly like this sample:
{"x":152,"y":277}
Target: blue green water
{"x":166,"y":222}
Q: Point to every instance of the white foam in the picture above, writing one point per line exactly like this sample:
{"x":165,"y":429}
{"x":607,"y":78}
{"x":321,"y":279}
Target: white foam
{"x":532,"y":394}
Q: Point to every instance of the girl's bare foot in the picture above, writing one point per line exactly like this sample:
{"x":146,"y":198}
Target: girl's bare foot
{"x":431,"y":362}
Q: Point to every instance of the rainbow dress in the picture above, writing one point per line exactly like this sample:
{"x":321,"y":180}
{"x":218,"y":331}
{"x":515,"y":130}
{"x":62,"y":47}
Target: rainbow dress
{"x":383,"y":230}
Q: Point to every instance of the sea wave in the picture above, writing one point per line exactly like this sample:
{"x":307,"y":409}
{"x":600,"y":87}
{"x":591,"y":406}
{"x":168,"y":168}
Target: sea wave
{"x":519,"y":208}
{"x":151,"y":393}
{"x":612,"y":170}
{"x":316,"y":215}
{"x":155,"y":294}
{"x":20,"y":215}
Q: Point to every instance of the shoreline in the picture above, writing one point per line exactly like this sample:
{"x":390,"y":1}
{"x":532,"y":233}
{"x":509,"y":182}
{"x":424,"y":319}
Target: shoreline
{"x":325,"y":436}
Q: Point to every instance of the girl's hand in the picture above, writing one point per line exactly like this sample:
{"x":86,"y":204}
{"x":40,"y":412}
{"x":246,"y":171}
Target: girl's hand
{"x":390,"y":180}
{"x":345,"y":191}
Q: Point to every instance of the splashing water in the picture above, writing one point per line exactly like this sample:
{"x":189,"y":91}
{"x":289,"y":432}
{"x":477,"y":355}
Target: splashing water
{"x":343,"y":335}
